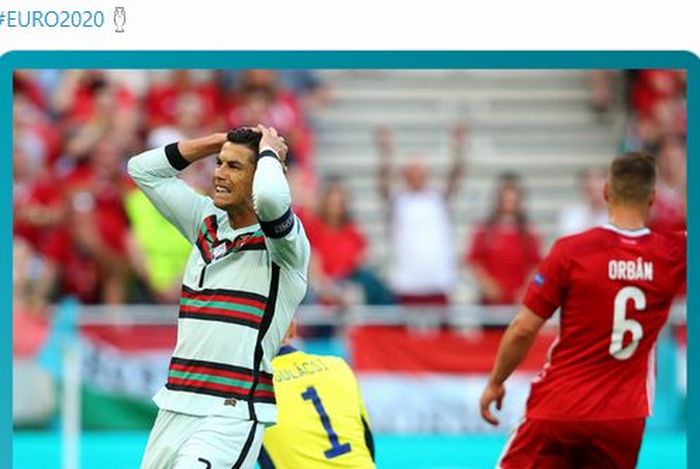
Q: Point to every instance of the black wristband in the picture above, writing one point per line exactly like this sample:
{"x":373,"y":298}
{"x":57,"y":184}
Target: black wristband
{"x":278,"y":228}
{"x":267,"y":152}
{"x":175,"y":158}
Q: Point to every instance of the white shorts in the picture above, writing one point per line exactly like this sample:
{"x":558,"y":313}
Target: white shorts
{"x":180,"y":441}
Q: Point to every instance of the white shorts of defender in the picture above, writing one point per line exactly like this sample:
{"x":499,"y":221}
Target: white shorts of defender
{"x":180,"y":441}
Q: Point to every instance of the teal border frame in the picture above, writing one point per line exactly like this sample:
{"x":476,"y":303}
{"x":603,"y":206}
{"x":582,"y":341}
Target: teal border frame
{"x":354,"y":60}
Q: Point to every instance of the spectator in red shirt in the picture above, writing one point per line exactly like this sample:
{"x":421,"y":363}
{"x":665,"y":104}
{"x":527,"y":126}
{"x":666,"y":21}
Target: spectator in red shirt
{"x":659,"y":103}
{"x":93,"y":107}
{"x":654,"y":86}
{"x":82,"y":93}
{"x":162,"y":100}
{"x":668,"y":214}
{"x":90,"y":251}
{"x":504,"y":250}
{"x":24,"y":83}
{"x":38,"y":204}
{"x":189,"y":121}
{"x":339,"y":249}
{"x":32,"y":126}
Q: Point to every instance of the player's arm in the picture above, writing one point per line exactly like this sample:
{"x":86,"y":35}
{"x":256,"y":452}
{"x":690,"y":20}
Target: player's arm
{"x":284,"y":235}
{"x":458,"y":165}
{"x":544,"y":295}
{"x":155,"y":171}
{"x":515,"y":345}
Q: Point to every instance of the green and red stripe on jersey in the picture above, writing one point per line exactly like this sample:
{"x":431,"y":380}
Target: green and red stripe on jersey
{"x":208,"y":240}
{"x":250,"y":242}
{"x":219,"y":379}
{"x":233,"y":306}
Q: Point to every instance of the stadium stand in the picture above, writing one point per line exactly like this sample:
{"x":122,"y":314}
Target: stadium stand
{"x":538,"y":122}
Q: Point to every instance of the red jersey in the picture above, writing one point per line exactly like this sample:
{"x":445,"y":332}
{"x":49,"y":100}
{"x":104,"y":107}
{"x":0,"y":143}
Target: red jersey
{"x":615,"y":289}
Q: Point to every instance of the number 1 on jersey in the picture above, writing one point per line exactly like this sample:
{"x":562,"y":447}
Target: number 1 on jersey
{"x":622,"y":324}
{"x":336,"y":448}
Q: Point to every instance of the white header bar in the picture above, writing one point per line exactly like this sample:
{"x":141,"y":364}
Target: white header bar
{"x":357,"y":24}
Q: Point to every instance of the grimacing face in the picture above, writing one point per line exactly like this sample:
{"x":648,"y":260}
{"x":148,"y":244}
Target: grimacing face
{"x":233,"y":177}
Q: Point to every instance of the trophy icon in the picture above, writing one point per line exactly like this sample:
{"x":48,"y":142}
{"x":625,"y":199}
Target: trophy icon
{"x":119,"y":19}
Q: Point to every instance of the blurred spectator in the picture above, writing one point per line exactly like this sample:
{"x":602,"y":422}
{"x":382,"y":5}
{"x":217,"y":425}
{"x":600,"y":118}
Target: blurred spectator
{"x":658,"y":102}
{"x":164,"y":98}
{"x":601,"y":82}
{"x":188,"y":122}
{"x":304,"y":188}
{"x":91,"y":248}
{"x":504,"y":249}
{"x":82,"y":94}
{"x":258,"y":98}
{"x":669,"y":210}
{"x":591,"y":210}
{"x":423,"y":260}
{"x":33,"y":389}
{"x":32,"y":126}
{"x":38,"y":203}
{"x":311,"y":91}
{"x":25,"y":84}
{"x":339,"y":252}
{"x":91,"y":108}
{"x":32,"y":281}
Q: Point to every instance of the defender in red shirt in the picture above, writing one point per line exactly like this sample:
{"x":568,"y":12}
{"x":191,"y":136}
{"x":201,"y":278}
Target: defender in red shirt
{"x":614,"y":285}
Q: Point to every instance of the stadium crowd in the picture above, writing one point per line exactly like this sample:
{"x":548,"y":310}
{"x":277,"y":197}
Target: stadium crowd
{"x":82,"y":229}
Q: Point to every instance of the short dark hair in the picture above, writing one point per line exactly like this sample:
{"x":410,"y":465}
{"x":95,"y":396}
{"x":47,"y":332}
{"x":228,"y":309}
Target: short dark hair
{"x":247,"y":137}
{"x":632,"y":178}
{"x":509,"y":178}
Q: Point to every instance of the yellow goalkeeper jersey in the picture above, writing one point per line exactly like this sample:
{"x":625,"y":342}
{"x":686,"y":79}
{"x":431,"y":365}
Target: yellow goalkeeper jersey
{"x":322,"y":421}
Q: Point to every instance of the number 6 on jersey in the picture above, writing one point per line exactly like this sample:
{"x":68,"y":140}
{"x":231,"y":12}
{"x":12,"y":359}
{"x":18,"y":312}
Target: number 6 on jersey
{"x":622,"y":324}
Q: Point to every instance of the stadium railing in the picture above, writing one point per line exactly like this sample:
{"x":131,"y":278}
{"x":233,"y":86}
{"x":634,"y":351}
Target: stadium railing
{"x":459,"y":317}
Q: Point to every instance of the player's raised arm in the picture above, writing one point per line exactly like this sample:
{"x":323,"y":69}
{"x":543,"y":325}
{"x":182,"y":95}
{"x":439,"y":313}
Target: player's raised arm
{"x":458,"y":166}
{"x":272,"y":201}
{"x":515,"y":345}
{"x":155,"y":171}
{"x":383,"y":140}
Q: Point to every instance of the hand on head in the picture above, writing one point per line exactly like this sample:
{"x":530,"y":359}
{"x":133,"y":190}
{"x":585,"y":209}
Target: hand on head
{"x":273,"y":141}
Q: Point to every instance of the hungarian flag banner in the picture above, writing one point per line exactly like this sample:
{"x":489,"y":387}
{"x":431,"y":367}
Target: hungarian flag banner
{"x":416,"y":381}
{"x":122,"y":368}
